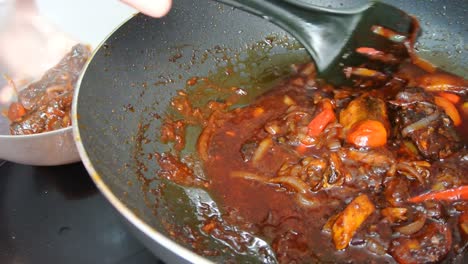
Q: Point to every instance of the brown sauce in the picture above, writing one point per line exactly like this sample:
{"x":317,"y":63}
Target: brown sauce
{"x":295,"y":229}
{"x":293,"y":220}
{"x":374,"y":172}
{"x":45,"y":105}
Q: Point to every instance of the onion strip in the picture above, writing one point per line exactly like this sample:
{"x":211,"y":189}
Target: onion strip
{"x":205,"y":137}
{"x":414,"y":169}
{"x":248,"y":176}
{"x":297,"y":184}
{"x":262,"y":149}
{"x":422,"y":123}
{"x":307,"y":201}
{"x":413,"y":227}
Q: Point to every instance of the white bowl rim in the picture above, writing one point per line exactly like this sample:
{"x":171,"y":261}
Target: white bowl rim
{"x":43,"y":134}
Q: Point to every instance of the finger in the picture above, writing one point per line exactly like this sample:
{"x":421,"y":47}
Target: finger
{"x":154,"y":8}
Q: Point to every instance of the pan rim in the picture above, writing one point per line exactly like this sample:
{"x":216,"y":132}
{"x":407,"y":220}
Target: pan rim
{"x":129,"y":215}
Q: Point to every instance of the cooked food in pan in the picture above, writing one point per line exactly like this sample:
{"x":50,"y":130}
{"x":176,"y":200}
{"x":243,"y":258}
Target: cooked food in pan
{"x":371,"y":172}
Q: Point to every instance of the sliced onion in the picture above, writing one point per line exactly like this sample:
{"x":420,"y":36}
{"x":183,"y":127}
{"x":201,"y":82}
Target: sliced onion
{"x":412,"y":228}
{"x":203,"y":142}
{"x":248,"y":176}
{"x":272,"y":129}
{"x":395,"y":214}
{"x":413,"y":170}
{"x":300,"y":114}
{"x":262,"y":149}
{"x":307,"y":201}
{"x":373,"y":158}
{"x":205,"y":137}
{"x":376,"y":247}
{"x":288,"y":100}
{"x":334,"y":144}
{"x":56,"y":89}
{"x":424,"y":122}
{"x":297,"y":184}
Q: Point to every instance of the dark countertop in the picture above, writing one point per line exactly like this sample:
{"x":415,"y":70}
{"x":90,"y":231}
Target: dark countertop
{"x":56,"y":215}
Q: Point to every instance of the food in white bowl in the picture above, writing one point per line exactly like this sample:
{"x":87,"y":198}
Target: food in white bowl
{"x":35,"y":36}
{"x":40,"y":121}
{"x":45,"y":105}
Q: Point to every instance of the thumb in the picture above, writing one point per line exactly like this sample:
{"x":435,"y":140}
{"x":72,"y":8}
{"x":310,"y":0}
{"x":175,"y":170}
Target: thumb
{"x":154,"y":8}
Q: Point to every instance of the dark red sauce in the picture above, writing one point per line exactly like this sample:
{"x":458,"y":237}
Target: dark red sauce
{"x":373,"y":172}
{"x":45,"y":105}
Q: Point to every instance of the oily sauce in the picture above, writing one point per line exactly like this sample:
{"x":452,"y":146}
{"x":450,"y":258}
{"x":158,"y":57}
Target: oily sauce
{"x":301,"y":193}
{"x":370,"y":172}
{"x":45,"y":104}
{"x":293,"y":230}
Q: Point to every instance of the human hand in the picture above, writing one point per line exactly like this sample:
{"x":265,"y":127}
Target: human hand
{"x":29,"y":43}
{"x":154,"y":8}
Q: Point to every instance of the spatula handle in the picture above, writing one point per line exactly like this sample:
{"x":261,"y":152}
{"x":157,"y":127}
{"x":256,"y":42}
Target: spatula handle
{"x":320,"y":30}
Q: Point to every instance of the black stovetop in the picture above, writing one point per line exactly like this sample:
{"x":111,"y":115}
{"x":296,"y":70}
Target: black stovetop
{"x":56,"y":215}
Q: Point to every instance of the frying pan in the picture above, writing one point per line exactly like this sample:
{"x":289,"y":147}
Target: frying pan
{"x":135,"y":72}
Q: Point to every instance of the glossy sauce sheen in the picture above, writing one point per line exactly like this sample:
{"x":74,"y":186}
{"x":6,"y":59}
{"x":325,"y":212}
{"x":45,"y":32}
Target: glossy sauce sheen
{"x":321,"y":187}
{"x":294,"y":229}
{"x":45,"y":105}
{"x":268,"y":212}
{"x":276,"y":215}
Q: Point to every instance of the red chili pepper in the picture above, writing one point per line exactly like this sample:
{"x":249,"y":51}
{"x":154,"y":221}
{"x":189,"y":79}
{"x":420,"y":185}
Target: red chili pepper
{"x":454,"y":194}
{"x":449,"y":108}
{"x":453,"y":98}
{"x":16,"y":112}
{"x":367,"y":133}
{"x":369,"y":51}
{"x":388,"y":33}
{"x":377,"y":54}
{"x":320,"y":121}
{"x":301,"y":148}
{"x":364,"y":72}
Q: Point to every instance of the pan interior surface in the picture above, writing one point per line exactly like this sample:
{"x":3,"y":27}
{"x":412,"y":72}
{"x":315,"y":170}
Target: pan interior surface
{"x":127,"y":88}
{"x":126,"y":91}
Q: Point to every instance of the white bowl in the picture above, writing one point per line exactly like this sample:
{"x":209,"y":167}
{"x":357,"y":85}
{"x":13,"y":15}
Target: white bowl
{"x":58,"y":147}
{"x":46,"y":149}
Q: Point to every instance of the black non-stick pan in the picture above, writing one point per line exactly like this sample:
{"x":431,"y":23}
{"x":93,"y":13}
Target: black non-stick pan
{"x":128,"y":84}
